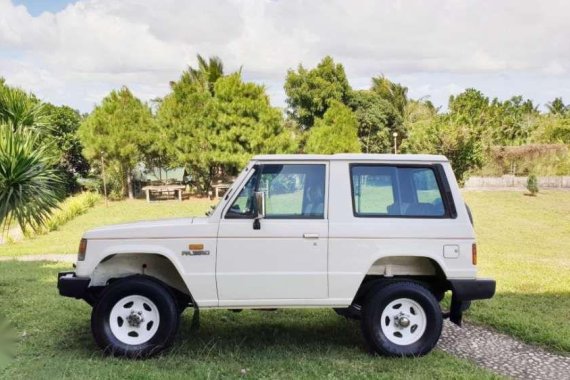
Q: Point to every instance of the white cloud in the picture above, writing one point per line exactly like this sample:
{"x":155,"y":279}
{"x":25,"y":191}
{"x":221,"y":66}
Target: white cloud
{"x":78,"y":54}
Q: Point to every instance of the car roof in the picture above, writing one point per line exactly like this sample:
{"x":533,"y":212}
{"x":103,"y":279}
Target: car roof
{"x":353,"y":157}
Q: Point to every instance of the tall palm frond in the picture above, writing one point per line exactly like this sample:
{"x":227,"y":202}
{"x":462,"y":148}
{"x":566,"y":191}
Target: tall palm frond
{"x":20,"y":110}
{"x":30,"y":186}
{"x":395,"y":93}
{"x":557,"y":107}
{"x":207,"y":73}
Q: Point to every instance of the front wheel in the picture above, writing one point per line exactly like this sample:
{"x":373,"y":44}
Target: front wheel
{"x":401,"y":319}
{"x":135,"y":317}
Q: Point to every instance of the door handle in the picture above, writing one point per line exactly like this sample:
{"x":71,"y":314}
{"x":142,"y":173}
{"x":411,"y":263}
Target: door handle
{"x":311,"y":236}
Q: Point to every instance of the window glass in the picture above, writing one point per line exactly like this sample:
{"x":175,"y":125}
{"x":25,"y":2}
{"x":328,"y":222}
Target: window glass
{"x":396,"y":191}
{"x":373,"y":189}
{"x":243,"y":206}
{"x":293,"y":191}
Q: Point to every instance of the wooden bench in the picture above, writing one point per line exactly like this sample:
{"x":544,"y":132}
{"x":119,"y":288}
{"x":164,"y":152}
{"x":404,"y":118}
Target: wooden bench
{"x":175,"y":190}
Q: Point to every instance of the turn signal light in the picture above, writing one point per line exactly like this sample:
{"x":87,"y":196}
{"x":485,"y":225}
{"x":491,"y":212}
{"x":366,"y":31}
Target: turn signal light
{"x":474,"y":254}
{"x":82,"y":250}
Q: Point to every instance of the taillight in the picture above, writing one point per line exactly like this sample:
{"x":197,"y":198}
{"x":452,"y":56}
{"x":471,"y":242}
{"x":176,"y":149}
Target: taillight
{"x":474,"y":254}
{"x":82,"y":250}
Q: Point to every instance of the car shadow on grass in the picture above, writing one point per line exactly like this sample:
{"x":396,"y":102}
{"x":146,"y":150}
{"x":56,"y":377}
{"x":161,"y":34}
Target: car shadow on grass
{"x":223,"y":333}
{"x":287,"y":329}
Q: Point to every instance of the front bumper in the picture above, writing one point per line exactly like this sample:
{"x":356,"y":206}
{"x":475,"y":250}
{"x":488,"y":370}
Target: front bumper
{"x":465,"y":291}
{"x":69,"y":285}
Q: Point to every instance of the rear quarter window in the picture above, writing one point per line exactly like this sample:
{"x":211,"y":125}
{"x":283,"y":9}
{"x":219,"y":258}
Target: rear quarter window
{"x":396,"y":191}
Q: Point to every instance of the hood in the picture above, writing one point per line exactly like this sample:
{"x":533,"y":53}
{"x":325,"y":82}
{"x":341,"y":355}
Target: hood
{"x":151,"y":229}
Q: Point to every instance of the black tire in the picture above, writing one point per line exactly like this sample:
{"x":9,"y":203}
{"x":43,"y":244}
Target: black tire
{"x":167,"y":309}
{"x":377,"y":302}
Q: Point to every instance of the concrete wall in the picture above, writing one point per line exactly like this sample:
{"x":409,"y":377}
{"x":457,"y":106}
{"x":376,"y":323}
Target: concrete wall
{"x":510,"y":181}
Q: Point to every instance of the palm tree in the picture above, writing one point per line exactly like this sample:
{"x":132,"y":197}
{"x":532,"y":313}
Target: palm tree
{"x":394,"y":93}
{"x":208,"y":72}
{"x":557,"y":107}
{"x":20,"y":110}
{"x":30,"y":186}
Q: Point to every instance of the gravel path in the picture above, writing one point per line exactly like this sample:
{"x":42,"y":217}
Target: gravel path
{"x":503,"y":354}
{"x":494,"y":351}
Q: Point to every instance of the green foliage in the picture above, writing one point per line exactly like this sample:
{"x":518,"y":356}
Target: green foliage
{"x":220,"y":129}
{"x":377,"y":119}
{"x":30,"y":186}
{"x":207,"y":73}
{"x":441,"y":135}
{"x":120,"y":129}
{"x":64,"y":123}
{"x":68,"y":210}
{"x":469,"y":107}
{"x":336,"y":132}
{"x":311,"y":92}
{"x":557,"y":107}
{"x":514,"y":121}
{"x":553,"y":129}
{"x":532,"y":184}
{"x":21,"y":110}
{"x":394,"y":93}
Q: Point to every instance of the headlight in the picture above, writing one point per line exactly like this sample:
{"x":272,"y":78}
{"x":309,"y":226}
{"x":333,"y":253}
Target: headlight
{"x":82,"y":250}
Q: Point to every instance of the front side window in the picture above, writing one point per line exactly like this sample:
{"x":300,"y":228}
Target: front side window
{"x":243,"y":206}
{"x":396,"y":191}
{"x":292,"y":191}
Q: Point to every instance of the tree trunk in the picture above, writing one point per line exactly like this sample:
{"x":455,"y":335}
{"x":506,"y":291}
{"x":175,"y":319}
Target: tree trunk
{"x":130,"y":184}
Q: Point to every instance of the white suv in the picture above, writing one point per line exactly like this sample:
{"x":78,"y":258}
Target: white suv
{"x":378,"y":238}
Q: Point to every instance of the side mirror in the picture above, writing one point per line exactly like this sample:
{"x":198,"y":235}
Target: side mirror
{"x":260,"y":204}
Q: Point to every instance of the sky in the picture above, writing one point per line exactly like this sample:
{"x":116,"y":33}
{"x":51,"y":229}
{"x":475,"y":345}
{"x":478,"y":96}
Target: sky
{"x":76,"y":52}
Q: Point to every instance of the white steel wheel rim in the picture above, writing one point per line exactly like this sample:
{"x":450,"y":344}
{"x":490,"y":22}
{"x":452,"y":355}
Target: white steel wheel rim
{"x":403,"y":321}
{"x":134,"y":320}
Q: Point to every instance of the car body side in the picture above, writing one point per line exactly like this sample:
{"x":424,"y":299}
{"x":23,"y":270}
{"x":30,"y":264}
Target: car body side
{"x":356,"y":247}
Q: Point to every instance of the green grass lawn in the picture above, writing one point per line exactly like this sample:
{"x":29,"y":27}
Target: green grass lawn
{"x":524,"y":243}
{"x":56,"y":342}
{"x":66,"y":239}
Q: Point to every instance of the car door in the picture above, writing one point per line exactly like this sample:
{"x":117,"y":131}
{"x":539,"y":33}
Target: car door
{"x":286,"y":258}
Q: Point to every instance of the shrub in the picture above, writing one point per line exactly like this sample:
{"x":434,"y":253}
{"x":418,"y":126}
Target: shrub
{"x":69,"y":209}
{"x":532,"y":184}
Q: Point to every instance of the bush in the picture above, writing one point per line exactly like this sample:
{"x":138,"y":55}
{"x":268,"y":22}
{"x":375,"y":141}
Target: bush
{"x":532,"y":184}
{"x":68,"y":210}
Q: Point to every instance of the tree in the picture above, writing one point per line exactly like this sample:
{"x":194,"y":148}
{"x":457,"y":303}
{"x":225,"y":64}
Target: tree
{"x":64,"y":123}
{"x":21,"y":110}
{"x":30,"y":186}
{"x":513,"y":121}
{"x":29,"y":183}
{"x":377,"y":120}
{"x":441,"y":135}
{"x":396,"y":96}
{"x":336,"y":132}
{"x":469,"y":107}
{"x":311,"y":92}
{"x":394,"y":93}
{"x":119,"y":129}
{"x":553,"y":129}
{"x":246,"y":123}
{"x":218,"y":130}
{"x":557,"y":107}
{"x":207,"y":73}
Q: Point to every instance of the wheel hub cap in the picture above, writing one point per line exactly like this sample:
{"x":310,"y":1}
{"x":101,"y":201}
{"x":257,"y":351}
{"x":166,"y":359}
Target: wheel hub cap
{"x":134,"y":320}
{"x":403,"y":321}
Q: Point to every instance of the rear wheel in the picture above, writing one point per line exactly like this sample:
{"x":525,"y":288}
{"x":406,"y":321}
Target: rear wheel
{"x":135,"y":317}
{"x":401,"y":319}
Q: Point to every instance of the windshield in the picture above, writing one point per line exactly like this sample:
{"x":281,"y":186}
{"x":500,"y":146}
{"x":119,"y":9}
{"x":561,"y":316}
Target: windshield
{"x":230,"y":191}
